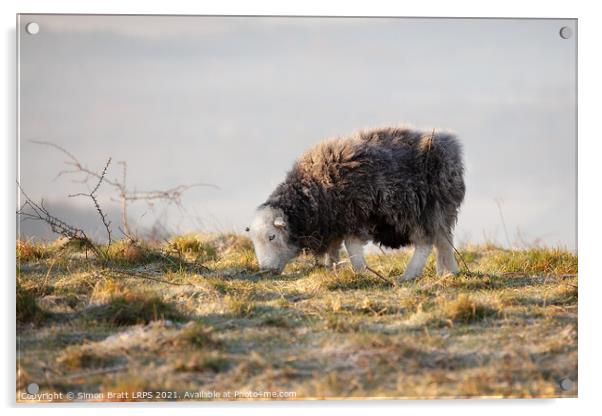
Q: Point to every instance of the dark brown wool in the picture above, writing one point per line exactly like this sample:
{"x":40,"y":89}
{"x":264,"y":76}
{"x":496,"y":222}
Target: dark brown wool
{"x":394,"y":186}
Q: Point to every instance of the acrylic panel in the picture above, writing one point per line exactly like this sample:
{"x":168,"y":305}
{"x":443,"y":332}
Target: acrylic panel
{"x":290,"y":208}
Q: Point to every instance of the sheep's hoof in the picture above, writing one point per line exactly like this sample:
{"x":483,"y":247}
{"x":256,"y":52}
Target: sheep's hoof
{"x":404,"y":278}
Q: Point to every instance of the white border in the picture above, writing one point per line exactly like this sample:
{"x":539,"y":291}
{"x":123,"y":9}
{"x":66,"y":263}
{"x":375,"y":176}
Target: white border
{"x":589,"y":187}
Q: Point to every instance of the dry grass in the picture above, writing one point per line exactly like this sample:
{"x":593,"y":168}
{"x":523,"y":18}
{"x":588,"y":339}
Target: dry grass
{"x":240,"y":306}
{"x":28,"y":310}
{"x":197,"y":335}
{"x":117,"y":304}
{"x":201,"y":362}
{"x":134,"y":308}
{"x":76,"y":358}
{"x":534,"y":261}
{"x":29,"y":251}
{"x":466,"y":309}
{"x":206,"y":320}
{"x":193,"y":246}
{"x":346,"y":279}
{"x":130,"y":252}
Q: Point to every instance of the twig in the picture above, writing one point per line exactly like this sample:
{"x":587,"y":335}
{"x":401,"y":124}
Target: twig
{"x":122,"y":195}
{"x":91,"y":195}
{"x":499,"y":207}
{"x":390,"y":282}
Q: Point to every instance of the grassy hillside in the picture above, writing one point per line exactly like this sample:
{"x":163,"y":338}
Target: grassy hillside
{"x":195,"y":315}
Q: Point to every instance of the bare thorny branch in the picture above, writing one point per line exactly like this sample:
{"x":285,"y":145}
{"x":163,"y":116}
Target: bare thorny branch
{"x":171,"y":195}
{"x":103,"y":217}
{"x":39,"y":212}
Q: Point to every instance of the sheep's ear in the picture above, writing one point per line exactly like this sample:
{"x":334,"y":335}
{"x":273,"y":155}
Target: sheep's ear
{"x":279,"y":222}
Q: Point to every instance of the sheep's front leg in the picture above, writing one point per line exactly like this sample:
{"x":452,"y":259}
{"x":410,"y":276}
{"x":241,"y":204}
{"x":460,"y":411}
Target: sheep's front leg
{"x":418,"y":261}
{"x":355,"y":249}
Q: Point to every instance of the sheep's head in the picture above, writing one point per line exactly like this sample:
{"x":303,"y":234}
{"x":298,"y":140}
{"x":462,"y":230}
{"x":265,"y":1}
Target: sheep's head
{"x":270,"y":236}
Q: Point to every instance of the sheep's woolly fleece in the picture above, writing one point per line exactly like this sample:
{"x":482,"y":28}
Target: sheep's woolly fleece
{"x":394,"y":186}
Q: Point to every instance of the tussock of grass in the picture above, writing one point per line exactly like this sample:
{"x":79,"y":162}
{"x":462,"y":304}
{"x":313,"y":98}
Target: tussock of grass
{"x":107,"y":289}
{"x":193,"y":246}
{"x":131,"y":308}
{"x":221,"y":286}
{"x":198,"y":335}
{"x":473,"y":281}
{"x":466,"y":309}
{"x":281,"y":315}
{"x":80,"y":357}
{"x":243,"y":261}
{"x":29,"y":251}
{"x":132,"y":384}
{"x":28,"y":310}
{"x":341,"y":323}
{"x":240,"y":288}
{"x":537,"y":261}
{"x":371,"y":306}
{"x":411,"y":351}
{"x":75,"y":282}
{"x":277,"y":321}
{"x":201,"y":362}
{"x":130,"y":252}
{"x":414,"y":302}
{"x":562,"y":295}
{"x":240,"y":306}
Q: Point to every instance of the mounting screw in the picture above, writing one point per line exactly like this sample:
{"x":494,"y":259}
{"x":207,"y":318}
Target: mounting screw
{"x":566,"y":384}
{"x":32,"y":28}
{"x":32,"y":388}
{"x":566,"y":32}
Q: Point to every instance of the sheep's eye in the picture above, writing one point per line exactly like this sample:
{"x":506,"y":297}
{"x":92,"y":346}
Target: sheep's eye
{"x":272,"y":237}
{"x":247,"y":229}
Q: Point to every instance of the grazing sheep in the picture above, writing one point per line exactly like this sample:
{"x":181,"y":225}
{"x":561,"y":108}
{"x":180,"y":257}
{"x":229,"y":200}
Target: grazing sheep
{"x":394,"y":186}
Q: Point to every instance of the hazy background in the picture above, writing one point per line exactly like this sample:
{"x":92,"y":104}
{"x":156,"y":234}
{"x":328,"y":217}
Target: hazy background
{"x":233,"y":101}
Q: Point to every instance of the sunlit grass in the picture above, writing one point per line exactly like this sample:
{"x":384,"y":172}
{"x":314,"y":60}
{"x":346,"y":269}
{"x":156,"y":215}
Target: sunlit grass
{"x":194,"y":313}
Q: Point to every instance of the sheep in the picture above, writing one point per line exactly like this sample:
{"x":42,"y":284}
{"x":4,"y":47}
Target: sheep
{"x":394,"y":186}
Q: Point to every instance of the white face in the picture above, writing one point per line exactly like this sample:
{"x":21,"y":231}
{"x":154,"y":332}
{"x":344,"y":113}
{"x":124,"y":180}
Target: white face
{"x":270,"y":239}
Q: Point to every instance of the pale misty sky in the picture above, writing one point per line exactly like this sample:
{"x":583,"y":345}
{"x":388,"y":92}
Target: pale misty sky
{"x":233,"y":101}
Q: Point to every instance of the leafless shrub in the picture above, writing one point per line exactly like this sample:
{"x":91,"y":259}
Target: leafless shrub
{"x":103,"y":217}
{"x":34,"y":211}
{"x":124,"y":195}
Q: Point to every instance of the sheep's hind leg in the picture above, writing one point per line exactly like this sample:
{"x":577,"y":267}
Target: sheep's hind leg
{"x":355,"y":249}
{"x":417,"y":263}
{"x":331,"y":258}
{"x":446,"y":262}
